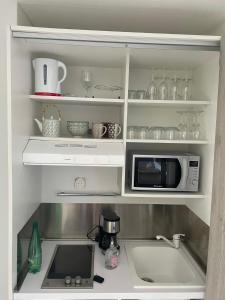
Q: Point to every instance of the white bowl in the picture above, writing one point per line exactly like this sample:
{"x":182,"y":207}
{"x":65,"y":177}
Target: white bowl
{"x":78,"y":128}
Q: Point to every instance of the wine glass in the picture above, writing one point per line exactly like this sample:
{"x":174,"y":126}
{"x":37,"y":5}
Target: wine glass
{"x":163,"y":88}
{"x":86,"y":81}
{"x":183,"y":126}
{"x":174,"y":87}
{"x":152,"y":90}
{"x":186,"y":91}
{"x":195,"y":125}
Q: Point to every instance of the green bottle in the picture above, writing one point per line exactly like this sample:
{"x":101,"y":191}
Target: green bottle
{"x":34,"y":251}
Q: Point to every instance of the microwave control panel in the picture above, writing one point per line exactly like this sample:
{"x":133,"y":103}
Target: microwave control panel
{"x":193,"y":174}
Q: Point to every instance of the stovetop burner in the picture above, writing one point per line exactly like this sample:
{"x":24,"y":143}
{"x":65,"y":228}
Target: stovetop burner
{"x":72,"y":266}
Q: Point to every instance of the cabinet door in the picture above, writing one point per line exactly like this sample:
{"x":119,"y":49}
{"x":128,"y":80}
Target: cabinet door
{"x":215,"y":288}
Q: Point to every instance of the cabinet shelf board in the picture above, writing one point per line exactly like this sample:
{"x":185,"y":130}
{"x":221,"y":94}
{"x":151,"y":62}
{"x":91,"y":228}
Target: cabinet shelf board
{"x":163,"y":195}
{"x":77,"y":100}
{"x":167,"y":103}
{"x":185,"y":142}
{"x":71,"y":139}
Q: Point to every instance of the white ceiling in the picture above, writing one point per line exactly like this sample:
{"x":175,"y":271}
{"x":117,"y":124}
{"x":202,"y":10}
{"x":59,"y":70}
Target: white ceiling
{"x":166,"y":16}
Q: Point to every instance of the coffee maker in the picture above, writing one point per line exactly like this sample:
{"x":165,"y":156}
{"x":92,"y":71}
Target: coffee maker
{"x":109,"y":227}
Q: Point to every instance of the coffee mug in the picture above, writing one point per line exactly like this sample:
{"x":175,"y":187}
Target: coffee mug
{"x":114,"y":130}
{"x":98,"y":130}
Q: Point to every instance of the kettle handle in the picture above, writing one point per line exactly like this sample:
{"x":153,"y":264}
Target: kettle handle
{"x":46,"y":107}
{"x":63,"y":66}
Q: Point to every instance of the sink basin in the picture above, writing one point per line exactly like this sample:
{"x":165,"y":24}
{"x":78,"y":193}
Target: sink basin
{"x":156,"y":264}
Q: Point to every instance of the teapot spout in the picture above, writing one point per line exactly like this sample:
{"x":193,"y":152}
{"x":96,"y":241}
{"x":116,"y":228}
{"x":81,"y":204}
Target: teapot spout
{"x":39,"y":124}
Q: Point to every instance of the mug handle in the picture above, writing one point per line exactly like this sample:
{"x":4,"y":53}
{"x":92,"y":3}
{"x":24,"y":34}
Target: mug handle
{"x":104,"y":131}
{"x":63,"y":66}
{"x":119,"y":130}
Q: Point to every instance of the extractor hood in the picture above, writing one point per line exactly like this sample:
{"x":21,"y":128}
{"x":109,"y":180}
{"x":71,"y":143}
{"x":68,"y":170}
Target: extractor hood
{"x":74,"y":153}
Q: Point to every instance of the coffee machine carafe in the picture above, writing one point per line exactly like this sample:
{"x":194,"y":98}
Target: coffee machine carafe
{"x":109,"y":227}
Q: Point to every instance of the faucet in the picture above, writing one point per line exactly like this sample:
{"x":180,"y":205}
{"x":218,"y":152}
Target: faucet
{"x":176,"y":240}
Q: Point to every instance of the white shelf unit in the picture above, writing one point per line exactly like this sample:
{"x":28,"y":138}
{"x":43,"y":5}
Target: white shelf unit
{"x":168,"y":103}
{"x":76,"y":100}
{"x":71,"y":139}
{"x":130,"y":68}
{"x":162,"y":195}
{"x":182,"y":142}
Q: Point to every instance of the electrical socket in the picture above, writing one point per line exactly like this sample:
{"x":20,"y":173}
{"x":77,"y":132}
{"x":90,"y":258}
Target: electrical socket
{"x":79,"y":183}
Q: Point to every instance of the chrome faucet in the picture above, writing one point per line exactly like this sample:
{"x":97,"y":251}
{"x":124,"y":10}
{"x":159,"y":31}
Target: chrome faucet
{"x":176,"y":240}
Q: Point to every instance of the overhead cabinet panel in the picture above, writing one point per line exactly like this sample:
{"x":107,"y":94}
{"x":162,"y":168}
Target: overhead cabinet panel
{"x":120,"y":39}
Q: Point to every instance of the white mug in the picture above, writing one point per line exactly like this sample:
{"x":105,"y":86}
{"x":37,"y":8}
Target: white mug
{"x":46,"y":76}
{"x":98,"y":130}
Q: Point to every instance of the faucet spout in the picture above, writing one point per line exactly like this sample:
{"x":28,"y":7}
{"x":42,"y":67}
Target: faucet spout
{"x":161,"y":237}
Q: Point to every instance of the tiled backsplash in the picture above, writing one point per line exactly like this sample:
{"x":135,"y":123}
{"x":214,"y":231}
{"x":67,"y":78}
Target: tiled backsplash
{"x":72,"y":221}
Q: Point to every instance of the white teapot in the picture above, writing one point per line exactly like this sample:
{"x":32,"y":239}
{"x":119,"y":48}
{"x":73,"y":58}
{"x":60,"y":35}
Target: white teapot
{"x":49,"y":127}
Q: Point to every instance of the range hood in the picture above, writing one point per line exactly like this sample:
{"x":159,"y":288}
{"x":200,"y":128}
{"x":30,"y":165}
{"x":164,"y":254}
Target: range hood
{"x":74,"y":153}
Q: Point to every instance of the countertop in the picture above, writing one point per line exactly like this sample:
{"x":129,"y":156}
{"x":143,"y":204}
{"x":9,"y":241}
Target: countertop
{"x":118,"y":282}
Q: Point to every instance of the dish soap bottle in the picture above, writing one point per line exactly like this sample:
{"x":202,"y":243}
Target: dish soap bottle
{"x":111,"y":256}
{"x":34,"y":251}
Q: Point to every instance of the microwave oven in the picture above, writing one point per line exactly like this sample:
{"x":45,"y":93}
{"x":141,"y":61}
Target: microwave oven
{"x":164,"y":172}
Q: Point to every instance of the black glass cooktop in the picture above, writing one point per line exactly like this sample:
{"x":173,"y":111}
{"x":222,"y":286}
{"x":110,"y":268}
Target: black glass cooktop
{"x":71,"y":267}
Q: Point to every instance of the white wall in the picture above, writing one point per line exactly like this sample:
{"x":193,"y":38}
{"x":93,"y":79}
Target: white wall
{"x":7,"y":17}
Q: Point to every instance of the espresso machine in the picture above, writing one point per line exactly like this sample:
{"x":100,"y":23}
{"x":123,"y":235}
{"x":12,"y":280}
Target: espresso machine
{"x":109,"y":227}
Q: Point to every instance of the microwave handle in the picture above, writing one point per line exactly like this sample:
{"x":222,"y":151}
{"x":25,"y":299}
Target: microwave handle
{"x":184,"y":172}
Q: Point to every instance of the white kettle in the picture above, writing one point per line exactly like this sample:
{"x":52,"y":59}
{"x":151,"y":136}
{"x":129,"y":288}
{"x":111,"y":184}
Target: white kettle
{"x":46,"y":76}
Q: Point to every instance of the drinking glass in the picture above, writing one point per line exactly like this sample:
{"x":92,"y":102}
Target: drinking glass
{"x":174,"y":88}
{"x":86,"y":81}
{"x":183,"y":125}
{"x":131,"y":132}
{"x":142,"y":132}
{"x":157,"y":133}
{"x":171,"y":133}
{"x":152,"y":89}
{"x":163,"y":88}
{"x":195,"y":125}
{"x":186,"y":90}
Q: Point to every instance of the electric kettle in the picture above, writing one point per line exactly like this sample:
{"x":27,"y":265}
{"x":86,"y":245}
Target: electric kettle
{"x":46,"y":76}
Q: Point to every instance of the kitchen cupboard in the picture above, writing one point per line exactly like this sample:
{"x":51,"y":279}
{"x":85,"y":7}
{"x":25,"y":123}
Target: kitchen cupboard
{"x":115,"y":59}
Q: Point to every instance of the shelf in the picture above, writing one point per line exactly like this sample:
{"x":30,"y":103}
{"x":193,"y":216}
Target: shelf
{"x":71,"y":139}
{"x":164,"y":195}
{"x":77,"y":100}
{"x":139,"y":141}
{"x":167,"y":103}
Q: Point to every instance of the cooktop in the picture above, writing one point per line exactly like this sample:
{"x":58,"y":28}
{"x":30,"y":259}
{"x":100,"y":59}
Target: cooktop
{"x":72,"y":266}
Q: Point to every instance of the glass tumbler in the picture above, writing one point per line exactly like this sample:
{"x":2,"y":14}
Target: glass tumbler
{"x":142,"y":133}
{"x":131,"y":132}
{"x":141,"y":94}
{"x":172,"y":133}
{"x":157,"y":133}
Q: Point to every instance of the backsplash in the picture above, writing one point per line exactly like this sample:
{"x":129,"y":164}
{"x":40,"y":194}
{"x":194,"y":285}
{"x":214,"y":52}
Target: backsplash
{"x":72,"y":221}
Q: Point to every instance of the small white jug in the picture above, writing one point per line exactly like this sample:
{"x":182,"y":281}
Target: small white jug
{"x":49,"y":127}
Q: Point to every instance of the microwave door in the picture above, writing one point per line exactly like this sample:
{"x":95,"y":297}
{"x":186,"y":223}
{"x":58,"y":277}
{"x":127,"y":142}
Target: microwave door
{"x":172,"y":173}
{"x":149,"y":173}
{"x":184,"y":174}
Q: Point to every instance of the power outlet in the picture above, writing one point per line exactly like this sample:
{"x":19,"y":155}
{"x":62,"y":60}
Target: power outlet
{"x":79,"y":183}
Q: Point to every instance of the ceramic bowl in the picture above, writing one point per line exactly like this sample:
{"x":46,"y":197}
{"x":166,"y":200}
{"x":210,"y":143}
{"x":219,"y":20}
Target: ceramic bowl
{"x":78,"y":128}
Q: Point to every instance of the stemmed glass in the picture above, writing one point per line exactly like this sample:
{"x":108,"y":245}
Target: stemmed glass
{"x":195,"y":125}
{"x":163,"y":88}
{"x":187,"y":88}
{"x":183,"y":126}
{"x":86,"y":81}
{"x":152,"y":90}
{"x":174,"y":88}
